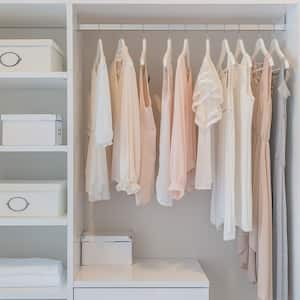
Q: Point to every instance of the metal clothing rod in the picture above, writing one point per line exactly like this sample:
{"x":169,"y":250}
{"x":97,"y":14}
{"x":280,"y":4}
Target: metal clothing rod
{"x":183,"y":27}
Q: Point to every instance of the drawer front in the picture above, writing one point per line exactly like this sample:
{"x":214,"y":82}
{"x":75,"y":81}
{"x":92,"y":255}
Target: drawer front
{"x":141,"y":294}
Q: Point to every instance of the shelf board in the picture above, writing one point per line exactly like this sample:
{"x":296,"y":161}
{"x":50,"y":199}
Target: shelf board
{"x":33,"y":221}
{"x":63,"y":148}
{"x":144,"y":273}
{"x":33,"y":293}
{"x":33,"y":80}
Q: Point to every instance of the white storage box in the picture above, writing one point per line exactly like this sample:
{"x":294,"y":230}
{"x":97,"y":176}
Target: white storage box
{"x":25,"y":55}
{"x":25,"y":130}
{"x":106,"y":249}
{"x":32,"y":198}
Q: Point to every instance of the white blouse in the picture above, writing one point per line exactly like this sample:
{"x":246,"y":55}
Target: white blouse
{"x":207,"y":100}
{"x":126,"y":154}
{"x":100,"y":130}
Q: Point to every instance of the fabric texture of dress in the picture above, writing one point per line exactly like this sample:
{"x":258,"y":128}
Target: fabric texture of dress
{"x":148,"y":141}
{"x":256,"y":246}
{"x":163,"y":177}
{"x":126,"y":154}
{"x":244,"y":101}
{"x":280,"y":94}
{"x":223,"y":192}
{"x":207,"y":100}
{"x":183,"y":139}
{"x":100,"y":130}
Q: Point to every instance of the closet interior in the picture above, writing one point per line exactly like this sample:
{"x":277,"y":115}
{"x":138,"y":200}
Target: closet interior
{"x":165,"y":239}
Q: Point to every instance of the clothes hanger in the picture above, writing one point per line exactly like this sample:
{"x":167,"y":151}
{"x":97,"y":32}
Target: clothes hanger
{"x":186,"y":52}
{"x":144,"y":53}
{"x":168,"y":52}
{"x":207,"y":46}
{"x":121,"y":45}
{"x":241,"y":50}
{"x":261,"y":47}
{"x":275,"y":47}
{"x":225,"y":51}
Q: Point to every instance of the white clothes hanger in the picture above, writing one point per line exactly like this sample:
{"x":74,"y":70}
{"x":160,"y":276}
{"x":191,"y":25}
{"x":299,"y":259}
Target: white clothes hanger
{"x":261,"y":47}
{"x":207,"y":47}
{"x":168,"y":52}
{"x":121,"y":45}
{"x":275,"y":47}
{"x":186,"y":52}
{"x":225,"y":51}
{"x":241,"y":50}
{"x":144,"y":53}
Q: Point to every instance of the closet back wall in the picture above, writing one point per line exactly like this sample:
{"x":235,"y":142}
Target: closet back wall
{"x":185,"y":229}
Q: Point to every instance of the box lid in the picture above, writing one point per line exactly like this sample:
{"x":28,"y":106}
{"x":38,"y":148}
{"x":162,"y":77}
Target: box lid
{"x":30,"y":43}
{"x":32,"y":185}
{"x":31,"y":117}
{"x":106,"y":238}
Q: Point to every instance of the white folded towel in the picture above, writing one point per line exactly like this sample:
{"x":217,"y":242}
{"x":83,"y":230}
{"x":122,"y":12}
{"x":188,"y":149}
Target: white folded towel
{"x":30,"y":266}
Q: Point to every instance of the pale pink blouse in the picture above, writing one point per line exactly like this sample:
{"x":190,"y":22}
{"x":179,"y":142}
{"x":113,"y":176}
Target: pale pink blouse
{"x":183,"y":139}
{"x":126,"y":122}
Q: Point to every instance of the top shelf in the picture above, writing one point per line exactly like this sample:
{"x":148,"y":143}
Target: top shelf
{"x":33,"y":80}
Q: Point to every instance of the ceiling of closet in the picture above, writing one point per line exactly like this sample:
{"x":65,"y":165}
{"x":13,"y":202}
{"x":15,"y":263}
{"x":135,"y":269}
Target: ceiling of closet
{"x":246,"y":14}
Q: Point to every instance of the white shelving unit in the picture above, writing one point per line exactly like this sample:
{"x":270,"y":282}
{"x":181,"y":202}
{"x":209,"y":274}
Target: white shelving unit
{"x":181,"y":232}
{"x":37,"y":93}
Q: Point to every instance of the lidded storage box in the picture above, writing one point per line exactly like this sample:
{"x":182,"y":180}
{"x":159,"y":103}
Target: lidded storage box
{"x":24,"y":55}
{"x":106,"y":249}
{"x":31,"y":130}
{"x":33,"y":198}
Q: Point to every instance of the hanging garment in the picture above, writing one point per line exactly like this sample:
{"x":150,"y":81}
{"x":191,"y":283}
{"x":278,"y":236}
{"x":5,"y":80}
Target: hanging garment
{"x":207,"y":100}
{"x":126,"y":122}
{"x":223,"y":192}
{"x":243,"y":108}
{"x":100,"y":130}
{"x":256,"y":247}
{"x":163,"y":177}
{"x":183,"y":139}
{"x":148,"y":141}
{"x":278,"y":145}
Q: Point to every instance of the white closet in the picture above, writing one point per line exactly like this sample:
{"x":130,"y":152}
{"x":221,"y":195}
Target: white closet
{"x":182,"y":233}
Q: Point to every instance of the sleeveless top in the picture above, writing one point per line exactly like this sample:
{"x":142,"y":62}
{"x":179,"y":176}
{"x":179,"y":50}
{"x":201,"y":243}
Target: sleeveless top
{"x":148,"y":141}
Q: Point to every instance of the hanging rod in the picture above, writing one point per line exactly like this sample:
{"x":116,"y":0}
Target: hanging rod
{"x":183,"y":27}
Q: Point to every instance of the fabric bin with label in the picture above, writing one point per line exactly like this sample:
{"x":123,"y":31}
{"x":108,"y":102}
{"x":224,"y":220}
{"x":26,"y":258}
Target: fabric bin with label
{"x":35,"y":129}
{"x":106,"y":249}
{"x":30,"y":55}
{"x":33,"y":198}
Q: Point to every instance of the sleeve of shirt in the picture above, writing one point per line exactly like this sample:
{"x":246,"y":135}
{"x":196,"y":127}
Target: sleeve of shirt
{"x":178,"y":176}
{"x":104,"y":130}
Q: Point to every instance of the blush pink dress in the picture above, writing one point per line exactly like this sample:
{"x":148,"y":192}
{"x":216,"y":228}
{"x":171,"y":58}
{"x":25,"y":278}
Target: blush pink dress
{"x":183,"y":138}
{"x":256,"y":248}
{"x":148,"y":141}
